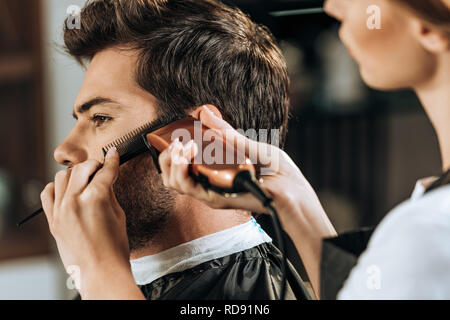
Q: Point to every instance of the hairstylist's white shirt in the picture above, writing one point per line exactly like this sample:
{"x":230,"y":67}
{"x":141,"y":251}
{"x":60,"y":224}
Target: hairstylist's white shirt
{"x":408,"y":256}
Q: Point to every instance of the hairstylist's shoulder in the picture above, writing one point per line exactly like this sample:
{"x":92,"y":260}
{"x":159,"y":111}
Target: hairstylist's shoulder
{"x":424,"y":222}
{"x":430,"y":211}
{"x":428,"y":224}
{"x":424,"y":213}
{"x":408,"y":256}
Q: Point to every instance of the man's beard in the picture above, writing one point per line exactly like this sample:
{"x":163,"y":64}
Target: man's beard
{"x":146,"y":202}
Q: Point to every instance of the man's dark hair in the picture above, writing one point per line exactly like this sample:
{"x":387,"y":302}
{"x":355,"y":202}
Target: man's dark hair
{"x":193,"y":52}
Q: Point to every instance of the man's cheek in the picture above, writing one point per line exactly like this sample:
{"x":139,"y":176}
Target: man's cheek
{"x":136,"y":173}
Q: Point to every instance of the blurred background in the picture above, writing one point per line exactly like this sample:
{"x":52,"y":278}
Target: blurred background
{"x":362,"y":150}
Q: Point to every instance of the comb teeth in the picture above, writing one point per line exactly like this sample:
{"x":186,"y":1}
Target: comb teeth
{"x":128,"y":142}
{"x":133,"y":144}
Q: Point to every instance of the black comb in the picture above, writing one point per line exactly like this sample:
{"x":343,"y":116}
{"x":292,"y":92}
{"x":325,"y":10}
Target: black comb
{"x":135,"y":143}
{"x":130,"y":146}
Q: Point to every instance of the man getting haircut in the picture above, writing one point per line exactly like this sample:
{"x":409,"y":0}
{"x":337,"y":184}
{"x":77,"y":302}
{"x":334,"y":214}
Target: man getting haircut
{"x":148,"y":58}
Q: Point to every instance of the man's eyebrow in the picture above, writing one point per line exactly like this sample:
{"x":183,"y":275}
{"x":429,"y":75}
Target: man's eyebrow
{"x":89,"y":104}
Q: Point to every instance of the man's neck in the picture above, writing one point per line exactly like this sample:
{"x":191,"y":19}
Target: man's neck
{"x":191,"y":220}
{"x":435,"y":97}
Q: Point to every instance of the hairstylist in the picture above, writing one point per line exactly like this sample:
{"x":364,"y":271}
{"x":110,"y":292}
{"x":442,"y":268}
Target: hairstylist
{"x":408,"y":255}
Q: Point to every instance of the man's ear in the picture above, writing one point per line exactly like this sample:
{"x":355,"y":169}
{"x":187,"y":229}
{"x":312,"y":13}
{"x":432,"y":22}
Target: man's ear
{"x":196,"y":112}
{"x":431,"y":39}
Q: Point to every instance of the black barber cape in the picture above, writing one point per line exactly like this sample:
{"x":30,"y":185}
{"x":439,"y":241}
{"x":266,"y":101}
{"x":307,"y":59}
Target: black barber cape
{"x":340,"y":254}
{"x":252,"y":274}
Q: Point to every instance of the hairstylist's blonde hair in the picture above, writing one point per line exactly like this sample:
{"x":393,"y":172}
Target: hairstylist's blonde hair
{"x":436,"y":13}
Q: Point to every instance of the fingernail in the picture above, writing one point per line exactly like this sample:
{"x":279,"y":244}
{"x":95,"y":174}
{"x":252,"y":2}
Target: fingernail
{"x":111,"y":152}
{"x":179,"y":159}
{"x":189,"y":145}
{"x":174,"y":143}
{"x":209,"y":110}
{"x":190,"y":149}
{"x":176,"y":159}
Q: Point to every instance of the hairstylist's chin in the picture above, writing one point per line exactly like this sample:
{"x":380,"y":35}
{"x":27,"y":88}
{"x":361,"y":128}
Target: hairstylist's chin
{"x":350,"y":52}
{"x":344,"y":41}
{"x":377,"y":81}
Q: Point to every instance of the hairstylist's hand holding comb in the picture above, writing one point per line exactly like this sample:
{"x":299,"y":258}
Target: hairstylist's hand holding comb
{"x":89,"y":227}
{"x":299,"y":209}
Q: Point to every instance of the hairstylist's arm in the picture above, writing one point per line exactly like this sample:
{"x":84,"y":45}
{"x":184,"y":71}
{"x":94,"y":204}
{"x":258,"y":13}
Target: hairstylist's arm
{"x":89,"y":227}
{"x":300,"y":211}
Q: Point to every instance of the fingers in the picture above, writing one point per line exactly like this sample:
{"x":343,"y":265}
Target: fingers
{"x":179,"y":170}
{"x":209,"y":119}
{"x":259,"y":152}
{"x":174,"y":163}
{"x":190,"y":150}
{"x":61,"y":181}
{"x":80,"y":176}
{"x":175,"y":170}
{"x":67,"y":183}
{"x":177,"y":154}
{"x":108,"y":174}
{"x":165,"y":163}
{"x":48,"y":201}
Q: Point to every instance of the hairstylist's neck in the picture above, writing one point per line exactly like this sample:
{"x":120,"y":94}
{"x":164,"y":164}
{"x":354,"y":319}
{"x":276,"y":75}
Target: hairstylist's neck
{"x":192,"y":220}
{"x":435,"y":97}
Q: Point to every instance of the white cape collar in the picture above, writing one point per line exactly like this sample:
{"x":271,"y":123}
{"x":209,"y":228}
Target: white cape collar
{"x":190,"y":254}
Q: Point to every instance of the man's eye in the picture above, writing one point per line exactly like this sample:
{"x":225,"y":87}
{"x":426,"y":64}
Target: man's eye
{"x":99,"y":120}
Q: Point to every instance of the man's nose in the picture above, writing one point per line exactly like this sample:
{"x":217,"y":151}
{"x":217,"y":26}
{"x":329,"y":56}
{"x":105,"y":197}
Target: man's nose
{"x":68,"y":153}
{"x":336,"y":8}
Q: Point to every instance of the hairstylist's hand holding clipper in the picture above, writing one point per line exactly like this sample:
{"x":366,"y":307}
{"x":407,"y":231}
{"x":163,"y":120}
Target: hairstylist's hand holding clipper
{"x":299,"y":209}
{"x":89,"y":227}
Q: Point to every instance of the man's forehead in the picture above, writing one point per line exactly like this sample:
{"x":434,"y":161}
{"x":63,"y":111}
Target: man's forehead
{"x":111,"y":68}
{"x":109,"y":76}
{"x":115,"y":58}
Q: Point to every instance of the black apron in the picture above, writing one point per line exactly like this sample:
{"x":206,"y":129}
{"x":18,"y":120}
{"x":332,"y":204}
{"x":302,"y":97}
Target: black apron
{"x":252,"y":274}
